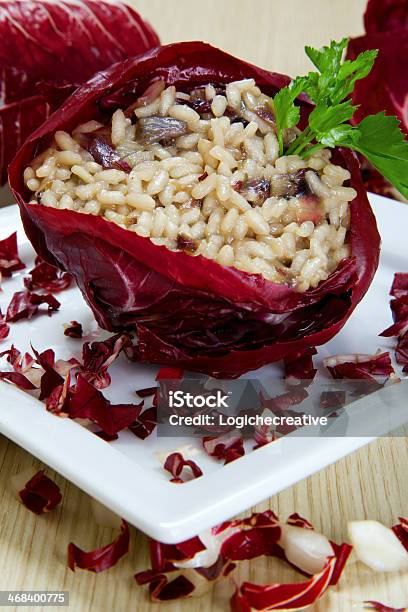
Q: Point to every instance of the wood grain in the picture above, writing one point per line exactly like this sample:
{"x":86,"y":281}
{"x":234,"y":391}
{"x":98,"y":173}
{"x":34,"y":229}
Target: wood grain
{"x":372,"y":483}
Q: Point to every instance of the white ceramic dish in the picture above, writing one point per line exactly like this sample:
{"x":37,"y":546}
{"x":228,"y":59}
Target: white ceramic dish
{"x":126,"y":475}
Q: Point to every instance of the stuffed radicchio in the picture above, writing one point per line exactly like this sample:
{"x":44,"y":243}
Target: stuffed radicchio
{"x":188,"y":309}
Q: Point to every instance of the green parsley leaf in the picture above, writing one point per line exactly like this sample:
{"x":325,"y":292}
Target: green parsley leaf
{"x":381,"y":142}
{"x":287,"y":115}
{"x":327,"y":59}
{"x":340,"y":134}
{"x":325,"y":118}
{"x":336,"y":79}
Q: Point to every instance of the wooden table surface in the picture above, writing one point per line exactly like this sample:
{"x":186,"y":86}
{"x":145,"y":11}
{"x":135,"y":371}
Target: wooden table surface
{"x":372,"y":483}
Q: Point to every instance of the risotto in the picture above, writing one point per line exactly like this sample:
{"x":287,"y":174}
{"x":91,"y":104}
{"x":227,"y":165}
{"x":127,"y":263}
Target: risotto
{"x":200,"y":172}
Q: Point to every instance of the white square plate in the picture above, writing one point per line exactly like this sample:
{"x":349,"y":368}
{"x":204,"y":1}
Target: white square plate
{"x":127,"y":475}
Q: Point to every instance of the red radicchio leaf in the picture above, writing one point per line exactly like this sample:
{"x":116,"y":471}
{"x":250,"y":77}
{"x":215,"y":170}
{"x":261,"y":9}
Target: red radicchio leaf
{"x":399,"y":286}
{"x":105,"y":436}
{"x":57,"y":400}
{"x":299,"y":366}
{"x":385,"y":15}
{"x":21,"y":364}
{"x":264,"y":434}
{"x":175,"y":464}
{"x":399,"y":308}
{"x":170,"y":374}
{"x":47,"y":277}
{"x":24,"y":305}
{"x":52,"y":47}
{"x":189,"y":311}
{"x":359,"y":366}
{"x":40,"y":494}
{"x":9,"y":259}
{"x":385,"y":88}
{"x":18,"y":379}
{"x":147,"y":392}
{"x":145,"y":423}
{"x":401,"y":352}
{"x":100,"y":559}
{"x":50,"y":380}
{"x":104,"y":153}
{"x":249,"y":597}
{"x":332,"y":399}
{"x":4,"y":328}
{"x":299,"y":521}
{"x":401,"y":531}
{"x":375,"y":605}
{"x":227,"y":447}
{"x":86,"y":402}
{"x":73,"y":330}
{"x":98,"y":356}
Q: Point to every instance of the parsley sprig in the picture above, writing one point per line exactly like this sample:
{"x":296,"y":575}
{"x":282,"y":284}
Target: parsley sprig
{"x":377,"y":137}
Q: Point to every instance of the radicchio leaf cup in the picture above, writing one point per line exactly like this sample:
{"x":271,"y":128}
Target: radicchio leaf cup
{"x":189,"y":310}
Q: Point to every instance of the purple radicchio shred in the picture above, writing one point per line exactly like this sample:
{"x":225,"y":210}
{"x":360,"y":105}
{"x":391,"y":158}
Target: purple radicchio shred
{"x":256,"y":191}
{"x":103,"y":153}
{"x":158,"y":129}
{"x":186,"y":244}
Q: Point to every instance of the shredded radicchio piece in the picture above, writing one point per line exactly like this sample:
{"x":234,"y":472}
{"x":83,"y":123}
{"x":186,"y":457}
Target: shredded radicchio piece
{"x":73,"y":330}
{"x":186,"y":244}
{"x":399,"y":308}
{"x":51,"y":379}
{"x":106,"y":437}
{"x":332,"y":399}
{"x":255,"y":191}
{"x":98,"y":356}
{"x":200,"y":105}
{"x":399,"y":287}
{"x":9,"y":259}
{"x":379,"y":607}
{"x":146,"y":392}
{"x":4,"y":327}
{"x":40,"y":494}
{"x":145,"y":423}
{"x":227,"y":447}
{"x":58,"y":399}
{"x":100,"y":559}
{"x":86,"y":402}
{"x":188,"y":568}
{"x":367,"y":367}
{"x":401,"y":531}
{"x":103,"y":153}
{"x":175,"y":464}
{"x":47,"y":277}
{"x":18,"y":379}
{"x":25,"y":304}
{"x":156,"y":129}
{"x":299,"y":366}
{"x":152,"y":92}
{"x":169,"y":374}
